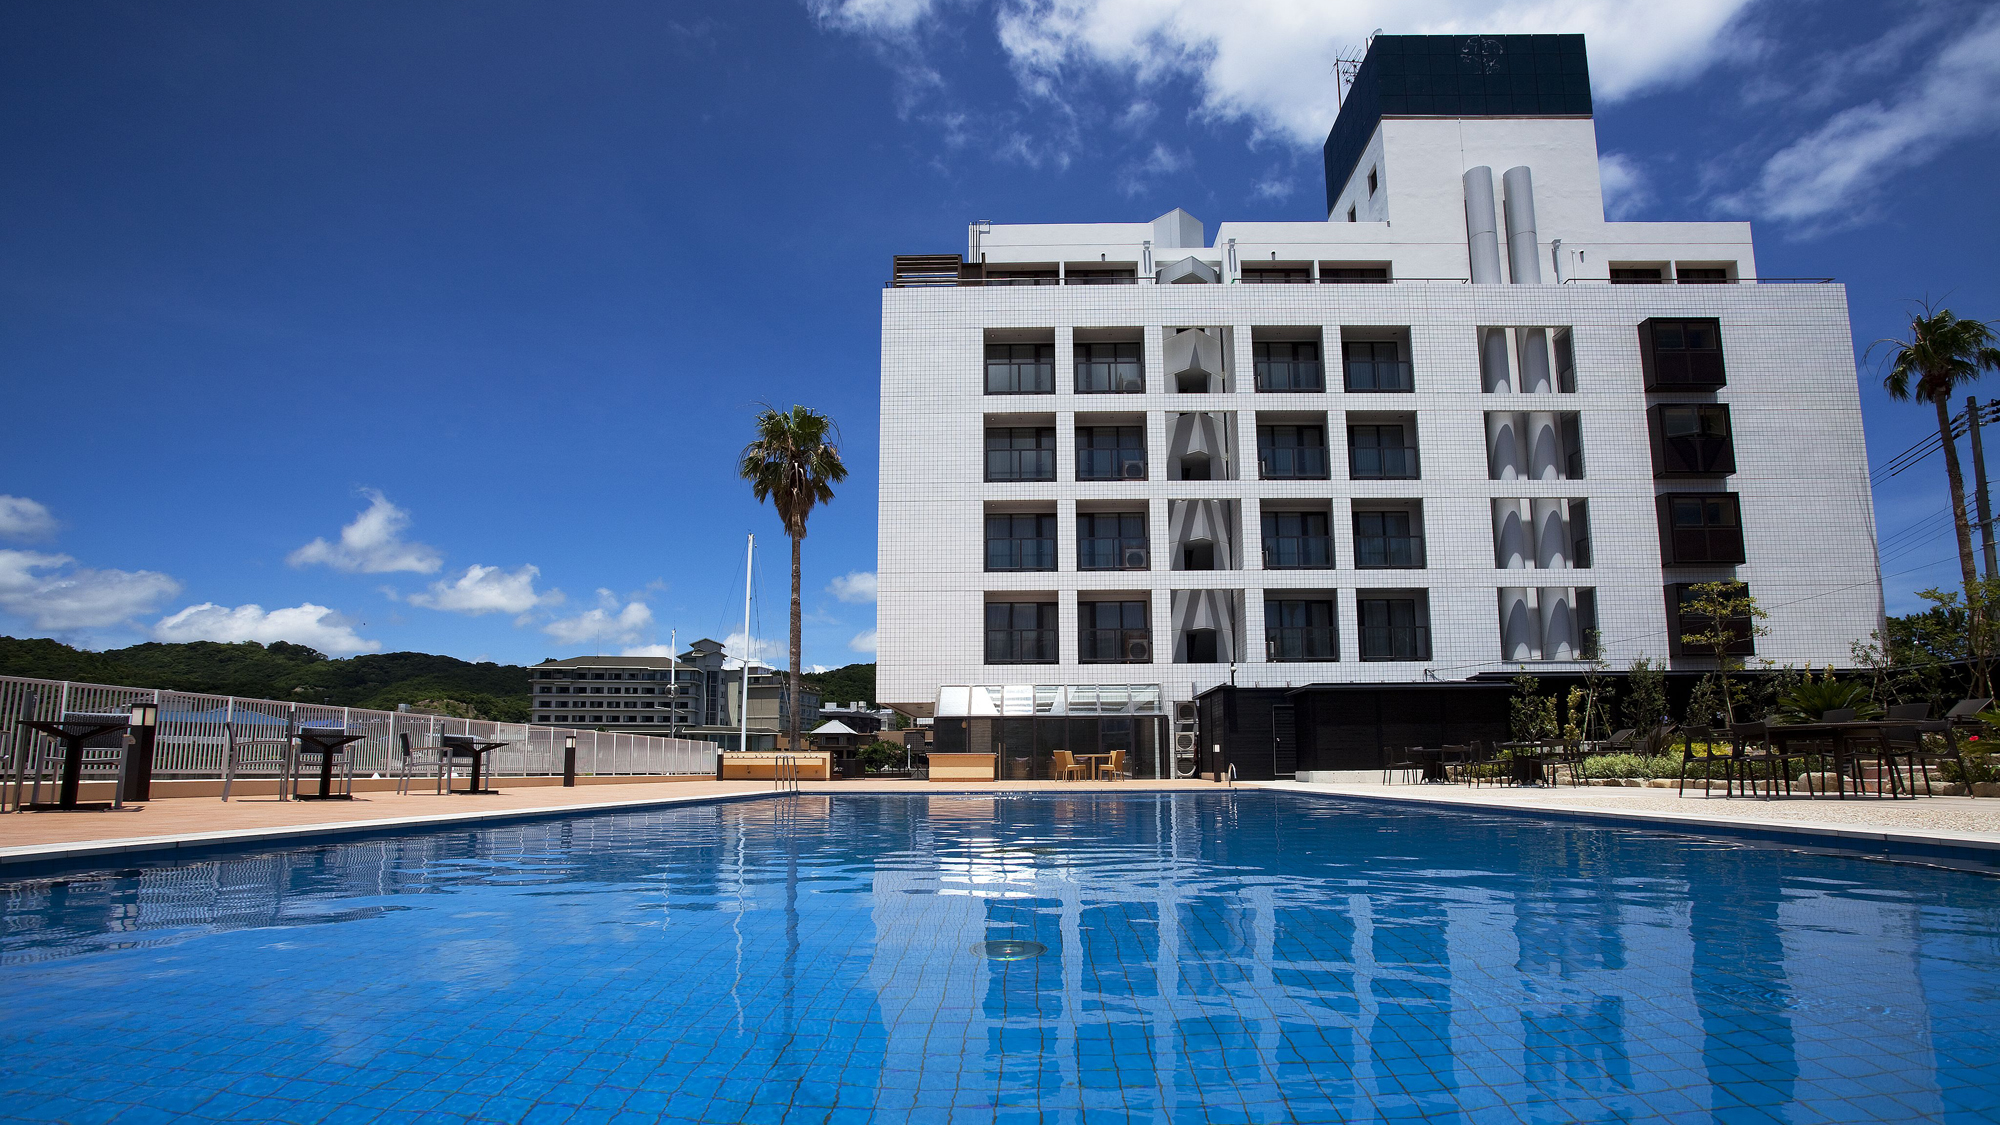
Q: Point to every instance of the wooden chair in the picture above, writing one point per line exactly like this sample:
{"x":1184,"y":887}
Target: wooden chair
{"x":1115,"y":768}
{"x":1067,"y":768}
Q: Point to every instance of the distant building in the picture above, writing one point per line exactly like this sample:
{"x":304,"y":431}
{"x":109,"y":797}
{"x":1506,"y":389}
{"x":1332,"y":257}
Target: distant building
{"x":694,"y":696}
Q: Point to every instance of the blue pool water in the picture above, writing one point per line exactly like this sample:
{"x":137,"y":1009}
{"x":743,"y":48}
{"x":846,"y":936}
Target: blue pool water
{"x":1209,"y":958}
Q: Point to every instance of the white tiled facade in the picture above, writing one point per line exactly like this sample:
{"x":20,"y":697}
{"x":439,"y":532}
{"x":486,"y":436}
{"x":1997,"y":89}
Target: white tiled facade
{"x":1800,"y":464}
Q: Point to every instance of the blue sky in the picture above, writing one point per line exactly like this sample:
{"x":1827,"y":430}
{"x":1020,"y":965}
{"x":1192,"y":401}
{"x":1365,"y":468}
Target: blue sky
{"x":384,"y":326}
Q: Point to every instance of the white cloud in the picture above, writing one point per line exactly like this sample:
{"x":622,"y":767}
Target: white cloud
{"x":22,"y":518}
{"x":48,"y":592}
{"x":855,"y":587}
{"x":372,"y":544}
{"x":315,"y":626}
{"x":1836,"y":168}
{"x":1274,"y":188}
{"x":863,"y":642}
{"x":763,"y":651}
{"x":877,"y":17}
{"x":485,"y":589}
{"x":662,"y":651}
{"x":1626,"y":190}
{"x":1267,"y":62}
{"x":608,"y":622}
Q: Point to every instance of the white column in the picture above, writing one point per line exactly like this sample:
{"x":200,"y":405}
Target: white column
{"x":1544,"y":447}
{"x":1558,"y":623}
{"x":1519,"y":625}
{"x":1506,"y":456}
{"x":1512,"y":536}
{"x":1535,"y":379}
{"x":1494,"y":375}
{"x":1551,"y":534}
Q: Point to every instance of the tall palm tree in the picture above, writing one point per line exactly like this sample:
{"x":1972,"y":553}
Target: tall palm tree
{"x":794,"y":463}
{"x":1942,"y":354}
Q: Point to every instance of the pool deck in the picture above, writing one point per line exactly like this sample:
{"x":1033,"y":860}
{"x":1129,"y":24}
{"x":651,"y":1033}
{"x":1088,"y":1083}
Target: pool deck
{"x":189,"y":822}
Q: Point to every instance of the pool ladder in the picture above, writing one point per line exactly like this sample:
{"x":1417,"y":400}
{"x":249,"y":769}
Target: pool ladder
{"x":785,"y":774}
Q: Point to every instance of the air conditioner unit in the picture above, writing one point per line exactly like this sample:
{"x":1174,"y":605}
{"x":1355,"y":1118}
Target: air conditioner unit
{"x":1135,"y":558}
{"x":1133,"y":470}
{"x":1185,"y":712}
{"x":1184,"y":742}
{"x":1141,"y":651}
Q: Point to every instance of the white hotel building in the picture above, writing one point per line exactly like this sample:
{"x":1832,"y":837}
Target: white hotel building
{"x":1463,"y":428}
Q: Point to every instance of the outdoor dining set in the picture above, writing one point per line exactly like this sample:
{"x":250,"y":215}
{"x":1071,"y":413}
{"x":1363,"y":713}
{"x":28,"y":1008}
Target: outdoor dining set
{"x":1896,"y":753}
{"x":1068,"y":766}
{"x":310,"y":761}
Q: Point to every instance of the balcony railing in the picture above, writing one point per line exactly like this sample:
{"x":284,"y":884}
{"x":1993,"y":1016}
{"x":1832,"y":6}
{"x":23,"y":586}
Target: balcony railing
{"x":1395,"y":642}
{"x":1291,"y":375}
{"x":1383,"y":463}
{"x":1025,"y":378}
{"x":1110,"y":377}
{"x":1020,"y":464}
{"x":1111,"y":554}
{"x":1020,"y":646}
{"x":1116,"y":646}
{"x":1389,"y":552}
{"x":1298,"y":552}
{"x":1295,"y":643}
{"x":1291,"y":463}
{"x":1109,"y":464}
{"x":1020,"y":554}
{"x":1379,"y":375}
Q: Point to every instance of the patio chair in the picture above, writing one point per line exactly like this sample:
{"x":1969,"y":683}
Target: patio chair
{"x":1472,"y":758}
{"x":1837,"y":715}
{"x":1401,"y":761}
{"x":412,"y":757}
{"x":1115,"y":768}
{"x":1067,"y":768}
{"x":1917,"y":711}
{"x":1689,"y":736}
{"x":1621,"y":742}
{"x":1967,"y":710}
{"x":1750,"y":746}
{"x":106,"y":751}
{"x":241,"y":750}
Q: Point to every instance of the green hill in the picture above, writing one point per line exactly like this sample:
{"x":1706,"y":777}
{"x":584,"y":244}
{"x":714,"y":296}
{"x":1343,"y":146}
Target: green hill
{"x":281,"y":671}
{"x":844,"y":684}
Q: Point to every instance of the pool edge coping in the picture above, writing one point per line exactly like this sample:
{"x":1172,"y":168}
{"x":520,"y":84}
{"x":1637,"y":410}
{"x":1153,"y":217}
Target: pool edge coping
{"x":1989,"y":846}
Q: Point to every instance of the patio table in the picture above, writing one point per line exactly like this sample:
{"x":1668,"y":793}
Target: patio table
{"x":1430,"y":762}
{"x":1844,"y":737}
{"x":1527,"y":759}
{"x":460,"y":746}
{"x":326,"y":743}
{"x":73,"y":731}
{"x":1096,"y":762}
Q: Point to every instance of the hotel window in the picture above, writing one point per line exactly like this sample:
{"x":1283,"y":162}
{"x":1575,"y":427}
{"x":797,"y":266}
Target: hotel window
{"x":1291,"y":452}
{"x":1110,"y":453}
{"x":1682,"y":354}
{"x":1636,"y":275}
{"x":1020,"y":633}
{"x":1109,"y":369}
{"x":1289,"y":366}
{"x":1376,"y":365}
{"x":1394,"y":627}
{"x":1371,"y":183}
{"x":1296,"y":541}
{"x":1020,"y":542}
{"x":1388,"y":540}
{"x":1381,"y":452}
{"x":1020,"y":369}
{"x":1111,"y":541}
{"x":1115,"y":633}
{"x":1692,"y":439}
{"x":1701,"y":527}
{"x":1681,"y":621}
{"x":1021,"y":453}
{"x":1299,"y":630}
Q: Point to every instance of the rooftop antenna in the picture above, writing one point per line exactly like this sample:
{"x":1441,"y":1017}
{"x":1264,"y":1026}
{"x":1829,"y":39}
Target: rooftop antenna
{"x":1346,"y":65}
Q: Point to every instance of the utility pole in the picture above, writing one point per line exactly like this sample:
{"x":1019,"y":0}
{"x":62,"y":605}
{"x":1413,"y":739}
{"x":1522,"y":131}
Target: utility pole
{"x":1972,"y":413}
{"x":673,"y":683}
{"x":743,"y":677}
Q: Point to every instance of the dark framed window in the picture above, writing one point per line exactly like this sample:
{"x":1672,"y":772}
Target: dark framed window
{"x":1020,"y":369}
{"x":1371,"y":181}
{"x":1115,"y":632}
{"x":1291,"y":452}
{"x":1692,"y":439}
{"x":1111,"y":541}
{"x":1353,"y":275}
{"x":1101,"y":276}
{"x":1564,"y":345}
{"x":1681,"y":621}
{"x":1702,"y":275}
{"x":1108,"y":369}
{"x":1579,"y":534}
{"x":1202,"y":646}
{"x":1701,"y":527}
{"x":1682,"y":354}
{"x":1110,"y":453}
{"x":1388,"y":540}
{"x":1375,"y":365}
{"x":1284,"y":365}
{"x":1021,"y":277}
{"x":1395,"y":627}
{"x":1020,"y":632}
{"x":1297,"y":541}
{"x":1635,"y":275}
{"x":1277,"y":275}
{"x":1020,"y":542}
{"x":1380,"y":452}
{"x":1299,"y":630}
{"x":1021,"y":453}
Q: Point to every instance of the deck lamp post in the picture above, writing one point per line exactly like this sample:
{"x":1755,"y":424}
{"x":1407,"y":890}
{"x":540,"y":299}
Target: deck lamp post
{"x":145,"y":723}
{"x":569,"y":761}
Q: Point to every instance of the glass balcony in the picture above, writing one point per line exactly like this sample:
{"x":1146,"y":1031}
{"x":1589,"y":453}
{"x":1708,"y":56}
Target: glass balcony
{"x":1296,"y":643}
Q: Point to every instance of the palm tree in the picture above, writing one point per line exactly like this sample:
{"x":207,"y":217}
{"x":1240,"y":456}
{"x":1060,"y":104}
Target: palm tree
{"x":794,"y":465}
{"x":1942,"y":354}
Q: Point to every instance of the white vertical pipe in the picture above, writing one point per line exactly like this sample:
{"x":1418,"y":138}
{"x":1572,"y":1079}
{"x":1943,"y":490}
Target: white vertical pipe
{"x":743,"y":690}
{"x":1535,"y":379}
{"x":1524,"y":259}
{"x":1494,"y":375}
{"x":1481,"y":233}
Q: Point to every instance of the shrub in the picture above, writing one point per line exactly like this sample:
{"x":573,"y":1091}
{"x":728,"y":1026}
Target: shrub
{"x":878,"y":756}
{"x":1806,"y":702}
{"x":1631,"y":765}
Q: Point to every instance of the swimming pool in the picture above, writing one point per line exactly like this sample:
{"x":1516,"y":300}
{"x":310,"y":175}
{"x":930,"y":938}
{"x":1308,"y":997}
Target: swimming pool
{"x":1247,"y":956}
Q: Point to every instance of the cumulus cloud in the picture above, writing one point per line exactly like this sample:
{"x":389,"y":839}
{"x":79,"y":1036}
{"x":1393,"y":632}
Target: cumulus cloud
{"x":372,"y":544}
{"x":52,"y":593}
{"x":1836,"y":168}
{"x":486,"y":589}
{"x":1626,"y":190}
{"x":863,"y":642}
{"x":661,"y":651}
{"x":22,"y":518}
{"x":762,"y":651}
{"x":315,"y":626}
{"x":855,"y":587}
{"x":1267,"y":62}
{"x":608,"y":622}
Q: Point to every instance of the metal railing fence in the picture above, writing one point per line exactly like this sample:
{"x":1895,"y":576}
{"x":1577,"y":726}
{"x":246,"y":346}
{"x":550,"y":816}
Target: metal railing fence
{"x":191,"y":742}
